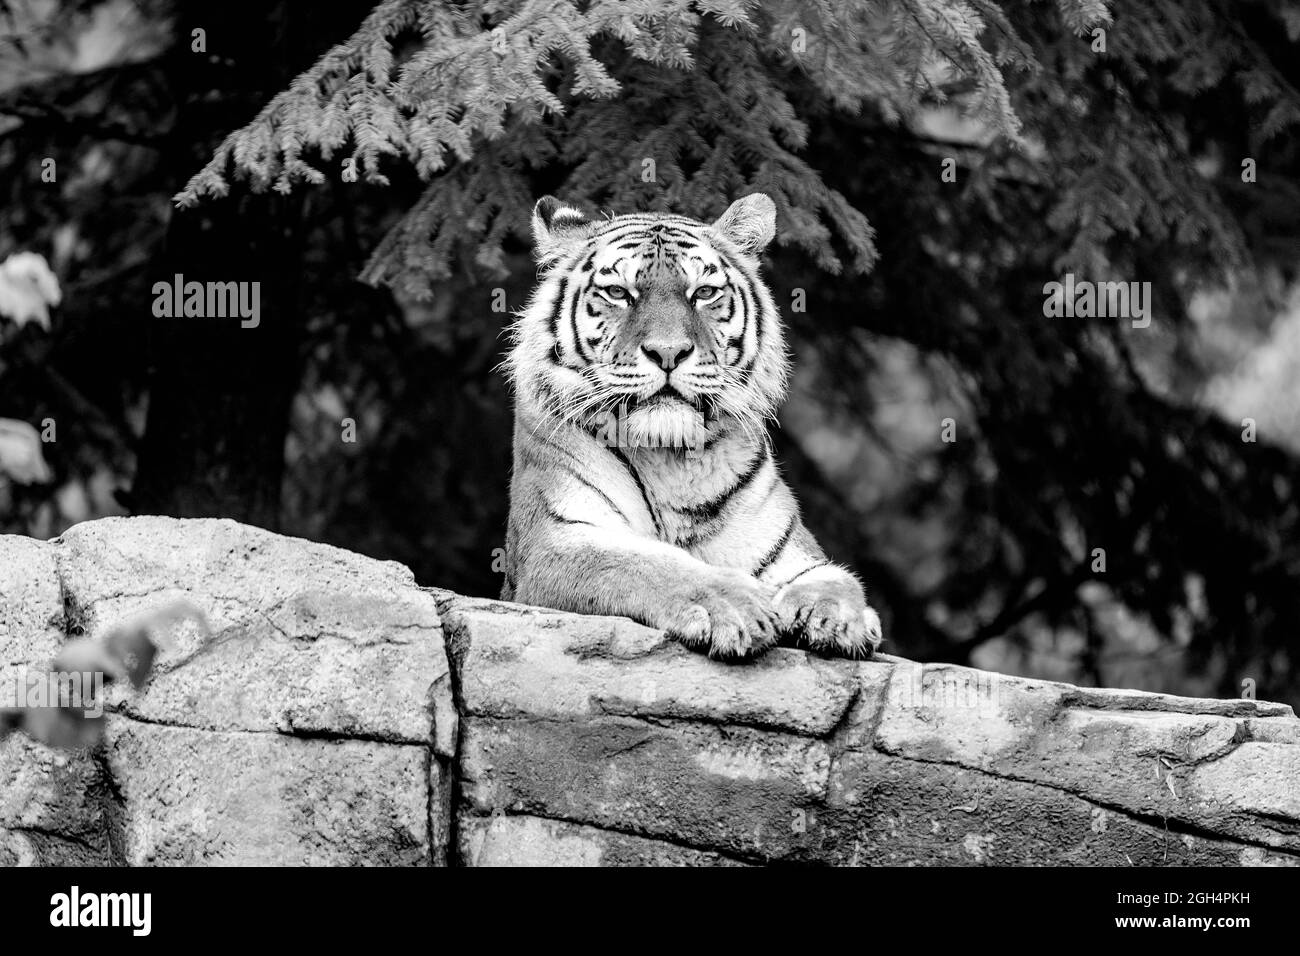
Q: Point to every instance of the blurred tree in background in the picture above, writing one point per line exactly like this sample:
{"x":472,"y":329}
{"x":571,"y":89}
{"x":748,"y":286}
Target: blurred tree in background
{"x":1096,"y":514}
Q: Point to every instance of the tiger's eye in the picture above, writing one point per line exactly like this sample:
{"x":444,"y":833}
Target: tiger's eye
{"x":706,"y":293}
{"x":616,"y":292}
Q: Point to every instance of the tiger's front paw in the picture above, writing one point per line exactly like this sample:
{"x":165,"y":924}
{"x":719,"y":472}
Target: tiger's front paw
{"x":730,"y":618}
{"x":830,"y":615}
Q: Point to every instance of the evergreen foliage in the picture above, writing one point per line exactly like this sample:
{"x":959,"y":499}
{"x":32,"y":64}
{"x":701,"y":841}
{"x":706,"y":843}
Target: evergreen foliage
{"x":478,"y":95}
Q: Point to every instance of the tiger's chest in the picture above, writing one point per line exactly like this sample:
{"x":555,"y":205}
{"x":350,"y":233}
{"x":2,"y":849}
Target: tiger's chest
{"x":694,"y":500}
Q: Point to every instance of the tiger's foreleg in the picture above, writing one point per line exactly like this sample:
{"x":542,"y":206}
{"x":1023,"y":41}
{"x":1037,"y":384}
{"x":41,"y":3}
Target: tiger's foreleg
{"x":827,"y":609}
{"x":576,"y":566}
{"x":818,"y":604}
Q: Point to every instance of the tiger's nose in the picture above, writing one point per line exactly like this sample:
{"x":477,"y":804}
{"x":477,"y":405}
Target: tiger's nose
{"x":668,"y":355}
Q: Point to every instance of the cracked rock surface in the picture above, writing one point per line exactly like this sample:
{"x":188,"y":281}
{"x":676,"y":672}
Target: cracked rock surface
{"x":315,"y":726}
{"x":341,"y":715}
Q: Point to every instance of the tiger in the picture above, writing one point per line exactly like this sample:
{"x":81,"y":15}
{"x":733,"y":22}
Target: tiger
{"x":645,"y":368}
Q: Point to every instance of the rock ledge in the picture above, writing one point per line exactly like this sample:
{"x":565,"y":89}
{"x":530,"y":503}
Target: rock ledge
{"x":342,"y":715}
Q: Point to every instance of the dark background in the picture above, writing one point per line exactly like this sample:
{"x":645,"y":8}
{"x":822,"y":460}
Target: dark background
{"x":1072,"y":434}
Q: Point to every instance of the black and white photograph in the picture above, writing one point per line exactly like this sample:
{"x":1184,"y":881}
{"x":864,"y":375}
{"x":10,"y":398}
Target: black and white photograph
{"x":443,"y":434}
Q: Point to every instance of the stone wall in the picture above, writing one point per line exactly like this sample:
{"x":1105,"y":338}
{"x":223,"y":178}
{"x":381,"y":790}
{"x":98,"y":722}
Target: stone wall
{"x":340,"y":715}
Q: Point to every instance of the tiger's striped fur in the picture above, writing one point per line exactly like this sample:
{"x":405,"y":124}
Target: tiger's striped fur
{"x":645,"y":368}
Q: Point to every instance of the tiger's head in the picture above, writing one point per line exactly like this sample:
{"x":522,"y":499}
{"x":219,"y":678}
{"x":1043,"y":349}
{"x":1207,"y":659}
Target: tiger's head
{"x":659,"y":320}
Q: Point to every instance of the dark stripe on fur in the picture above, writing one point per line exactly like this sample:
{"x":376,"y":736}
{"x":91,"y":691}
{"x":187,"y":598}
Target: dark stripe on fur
{"x":713,"y":439}
{"x":708,"y":510}
{"x":770,"y":558}
{"x":811,"y":567}
{"x":581,"y":346}
{"x":617,"y":453}
{"x":752,"y":311}
{"x":577,"y":473}
{"x":553,"y":321}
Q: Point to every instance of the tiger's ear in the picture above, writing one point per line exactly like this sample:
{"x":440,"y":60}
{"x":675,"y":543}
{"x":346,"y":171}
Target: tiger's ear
{"x":750,"y":223}
{"x":554,"y":223}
